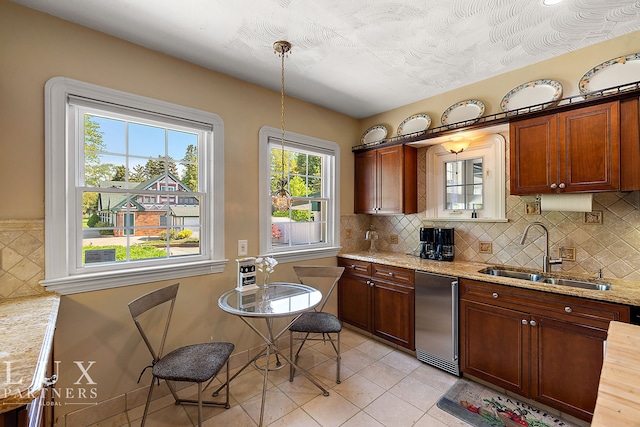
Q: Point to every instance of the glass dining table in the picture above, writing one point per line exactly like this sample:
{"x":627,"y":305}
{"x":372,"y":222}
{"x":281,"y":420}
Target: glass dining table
{"x":278,"y":300}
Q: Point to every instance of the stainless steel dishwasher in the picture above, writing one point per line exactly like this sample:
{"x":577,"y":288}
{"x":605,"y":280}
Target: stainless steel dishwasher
{"x":437,"y":320}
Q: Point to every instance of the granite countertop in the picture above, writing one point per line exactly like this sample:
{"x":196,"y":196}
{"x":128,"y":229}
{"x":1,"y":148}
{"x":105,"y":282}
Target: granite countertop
{"x":622,"y":291}
{"x":27,"y":325}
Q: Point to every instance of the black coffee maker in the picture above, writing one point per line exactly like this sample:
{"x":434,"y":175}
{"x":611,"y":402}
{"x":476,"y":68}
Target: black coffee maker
{"x":437,"y":243}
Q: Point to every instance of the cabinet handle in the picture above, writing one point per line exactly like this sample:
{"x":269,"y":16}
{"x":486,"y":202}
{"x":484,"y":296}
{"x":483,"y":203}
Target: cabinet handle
{"x":568,"y":309}
{"x":554,"y":185}
{"x":524,"y":321}
{"x":495,"y":295}
{"x":50,"y":381}
{"x":390,"y":273}
{"x":562,"y":185}
{"x":533,"y":323}
{"x":371,"y":283}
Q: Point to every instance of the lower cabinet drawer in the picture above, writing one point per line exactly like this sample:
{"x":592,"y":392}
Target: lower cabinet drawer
{"x":393,"y":274}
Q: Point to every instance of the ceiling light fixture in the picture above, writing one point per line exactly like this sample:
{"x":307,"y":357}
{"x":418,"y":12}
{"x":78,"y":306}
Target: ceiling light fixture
{"x":456,"y":145}
{"x":281,"y":198}
{"x":550,"y":2}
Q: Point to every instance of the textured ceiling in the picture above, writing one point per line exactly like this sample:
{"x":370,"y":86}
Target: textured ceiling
{"x":359,"y":57}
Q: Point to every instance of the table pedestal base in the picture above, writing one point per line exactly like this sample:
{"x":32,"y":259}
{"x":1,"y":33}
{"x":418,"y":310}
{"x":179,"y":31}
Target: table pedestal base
{"x":271,"y":348}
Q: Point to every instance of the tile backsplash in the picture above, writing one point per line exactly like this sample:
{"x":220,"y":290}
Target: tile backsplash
{"x":607,"y":239}
{"x":21,"y":257}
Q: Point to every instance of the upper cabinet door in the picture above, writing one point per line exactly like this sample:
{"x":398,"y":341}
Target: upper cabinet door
{"x":590,"y":148}
{"x":365,"y":181}
{"x":390,"y":180}
{"x":533,"y":155}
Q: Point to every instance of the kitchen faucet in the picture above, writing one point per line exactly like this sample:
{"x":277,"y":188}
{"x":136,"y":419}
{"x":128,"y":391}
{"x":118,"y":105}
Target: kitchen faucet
{"x":546,"y":263}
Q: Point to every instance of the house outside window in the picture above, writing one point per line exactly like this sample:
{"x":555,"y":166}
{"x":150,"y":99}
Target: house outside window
{"x":121,"y":212}
{"x":310,"y":229}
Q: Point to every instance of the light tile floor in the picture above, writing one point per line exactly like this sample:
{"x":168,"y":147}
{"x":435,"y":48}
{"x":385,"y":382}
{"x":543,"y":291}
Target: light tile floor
{"x":381,"y":386}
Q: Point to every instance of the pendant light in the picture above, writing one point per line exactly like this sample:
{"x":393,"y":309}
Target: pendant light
{"x":281,"y":198}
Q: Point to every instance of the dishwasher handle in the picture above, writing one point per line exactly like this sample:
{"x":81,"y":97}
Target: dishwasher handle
{"x":454,"y":318}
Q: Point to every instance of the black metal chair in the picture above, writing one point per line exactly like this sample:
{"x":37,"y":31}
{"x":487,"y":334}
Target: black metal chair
{"x":195,"y":363}
{"x":318,"y":321}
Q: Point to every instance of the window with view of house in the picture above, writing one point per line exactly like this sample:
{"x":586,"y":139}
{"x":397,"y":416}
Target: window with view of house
{"x":310,"y":229}
{"x":141,"y":194}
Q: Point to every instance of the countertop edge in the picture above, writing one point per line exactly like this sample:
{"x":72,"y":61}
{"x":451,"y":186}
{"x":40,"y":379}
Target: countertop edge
{"x":23,"y":396}
{"x":621,"y":292}
{"x":37,"y":385}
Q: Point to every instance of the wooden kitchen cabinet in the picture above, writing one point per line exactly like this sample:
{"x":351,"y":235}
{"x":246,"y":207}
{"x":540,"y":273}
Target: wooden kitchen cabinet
{"x":543,"y":346}
{"x":494,"y":346}
{"x":572,"y":151}
{"x":386,"y":181}
{"x":630,"y":144}
{"x":378,"y":299}
{"x":354,"y":294}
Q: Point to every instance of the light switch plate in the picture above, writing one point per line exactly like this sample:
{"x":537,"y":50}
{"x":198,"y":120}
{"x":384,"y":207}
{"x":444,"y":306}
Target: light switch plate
{"x":393,"y":239}
{"x":242,"y":247}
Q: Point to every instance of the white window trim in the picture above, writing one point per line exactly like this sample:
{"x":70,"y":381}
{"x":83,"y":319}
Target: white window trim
{"x":492,"y":149}
{"x":264,"y":199}
{"x":60,"y":168}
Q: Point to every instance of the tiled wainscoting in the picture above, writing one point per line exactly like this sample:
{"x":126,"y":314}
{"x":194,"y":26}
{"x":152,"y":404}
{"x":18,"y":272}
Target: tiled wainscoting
{"x":21,"y":257}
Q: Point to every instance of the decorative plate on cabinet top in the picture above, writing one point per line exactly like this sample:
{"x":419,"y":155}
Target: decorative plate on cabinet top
{"x":416,"y":123}
{"x":541,"y":93}
{"x":614,"y":72}
{"x":374,"y":134}
{"x":463,"y":113}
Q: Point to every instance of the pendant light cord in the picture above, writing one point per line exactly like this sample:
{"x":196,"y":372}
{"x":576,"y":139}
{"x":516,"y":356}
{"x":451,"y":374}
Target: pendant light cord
{"x":282,"y":198}
{"x":282,"y":55}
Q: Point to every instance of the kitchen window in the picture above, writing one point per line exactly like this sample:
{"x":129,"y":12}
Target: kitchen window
{"x":133,"y":190}
{"x":310,"y":229}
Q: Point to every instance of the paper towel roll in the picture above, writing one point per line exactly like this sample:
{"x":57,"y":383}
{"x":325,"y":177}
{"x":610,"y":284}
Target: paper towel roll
{"x":566,"y":202}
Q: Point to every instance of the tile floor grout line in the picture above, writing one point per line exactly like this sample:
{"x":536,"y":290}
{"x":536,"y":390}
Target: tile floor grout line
{"x":366,"y":403}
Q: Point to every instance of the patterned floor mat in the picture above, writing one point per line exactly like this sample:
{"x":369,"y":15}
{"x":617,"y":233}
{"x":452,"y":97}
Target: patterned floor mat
{"x":483,"y":407}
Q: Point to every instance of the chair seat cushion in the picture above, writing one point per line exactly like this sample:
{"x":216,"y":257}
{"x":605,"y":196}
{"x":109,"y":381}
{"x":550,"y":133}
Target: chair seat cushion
{"x":194,"y":363}
{"x":317,"y":322}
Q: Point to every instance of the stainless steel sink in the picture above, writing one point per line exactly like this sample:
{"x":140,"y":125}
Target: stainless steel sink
{"x":540,"y":278}
{"x":513,"y":274}
{"x":577,"y":283}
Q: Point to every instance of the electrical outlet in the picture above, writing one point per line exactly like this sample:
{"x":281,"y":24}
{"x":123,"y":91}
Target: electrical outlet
{"x":567,"y":254}
{"x":347,"y":233}
{"x":532,"y":208}
{"x":393,"y":239}
{"x":242,"y":247}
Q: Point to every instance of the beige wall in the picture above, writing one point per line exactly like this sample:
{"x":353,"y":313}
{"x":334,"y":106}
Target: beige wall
{"x":96,"y":326}
{"x":568,"y":69}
